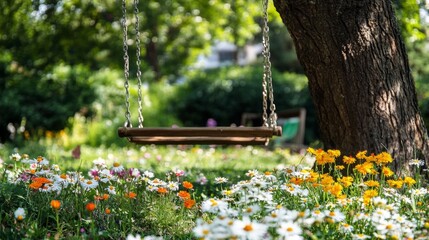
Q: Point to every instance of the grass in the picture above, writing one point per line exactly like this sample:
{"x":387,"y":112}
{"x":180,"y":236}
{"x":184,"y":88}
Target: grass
{"x":210,"y":193}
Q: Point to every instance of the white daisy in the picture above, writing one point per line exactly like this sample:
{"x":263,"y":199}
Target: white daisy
{"x":88,"y":184}
{"x":15,"y":157}
{"x":19,"y":214}
{"x":289,"y":229}
{"x":117,"y":167}
{"x":335,"y":215}
{"x":220,"y":180}
{"x":213,"y":205}
{"x":173,"y":186}
{"x":111,"y":189}
{"x":248,"y":229}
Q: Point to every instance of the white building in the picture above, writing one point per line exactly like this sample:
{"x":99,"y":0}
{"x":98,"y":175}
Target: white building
{"x":223,"y":53}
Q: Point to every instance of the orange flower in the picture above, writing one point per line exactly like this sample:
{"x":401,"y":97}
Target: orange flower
{"x":189,"y":203}
{"x":131,"y":195}
{"x":107,"y":211}
{"x":188,"y":185}
{"x":184,"y":195}
{"x":106,"y":196}
{"x":55,"y":204}
{"x":35,"y":185}
{"x":162,"y":190}
{"x":38,"y":182}
{"x":90,"y":206}
{"x":296,"y":180}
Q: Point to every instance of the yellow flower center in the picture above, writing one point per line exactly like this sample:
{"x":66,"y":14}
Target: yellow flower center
{"x":206,"y":232}
{"x":89,"y":182}
{"x":248,"y":228}
{"x":289,"y":229}
{"x":116,"y":164}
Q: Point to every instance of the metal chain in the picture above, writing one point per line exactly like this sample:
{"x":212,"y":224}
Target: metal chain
{"x":267,"y":82}
{"x":138,"y":63}
{"x":126,"y":65}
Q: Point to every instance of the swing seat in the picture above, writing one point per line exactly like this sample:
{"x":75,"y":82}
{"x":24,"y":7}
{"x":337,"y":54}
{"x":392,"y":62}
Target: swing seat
{"x":200,"y":135}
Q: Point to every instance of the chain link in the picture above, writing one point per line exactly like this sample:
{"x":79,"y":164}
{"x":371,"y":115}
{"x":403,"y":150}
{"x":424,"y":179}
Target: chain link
{"x":126,"y":64}
{"x":138,"y":63}
{"x":267,"y":83}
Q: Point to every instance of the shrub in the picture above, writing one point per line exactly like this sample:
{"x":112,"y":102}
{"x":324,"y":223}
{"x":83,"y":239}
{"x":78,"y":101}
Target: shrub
{"x":226,"y":93}
{"x":44,"y":102}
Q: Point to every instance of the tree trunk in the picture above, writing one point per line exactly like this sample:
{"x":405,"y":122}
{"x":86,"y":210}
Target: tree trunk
{"x":359,"y":76}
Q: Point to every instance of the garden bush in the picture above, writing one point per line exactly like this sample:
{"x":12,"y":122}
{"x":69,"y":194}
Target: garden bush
{"x":35,"y":102}
{"x":224,"y":94}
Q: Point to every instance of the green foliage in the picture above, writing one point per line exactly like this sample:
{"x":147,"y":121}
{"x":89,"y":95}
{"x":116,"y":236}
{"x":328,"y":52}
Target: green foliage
{"x":408,"y":12}
{"x":174,"y":32}
{"x":44,"y":101}
{"x":225,"y":94}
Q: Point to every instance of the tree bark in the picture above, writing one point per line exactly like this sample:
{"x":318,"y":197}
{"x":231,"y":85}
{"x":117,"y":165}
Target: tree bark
{"x":359,"y":76}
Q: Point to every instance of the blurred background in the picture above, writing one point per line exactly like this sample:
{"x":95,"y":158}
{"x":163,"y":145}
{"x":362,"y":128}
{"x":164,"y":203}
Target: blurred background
{"x":62,"y":78}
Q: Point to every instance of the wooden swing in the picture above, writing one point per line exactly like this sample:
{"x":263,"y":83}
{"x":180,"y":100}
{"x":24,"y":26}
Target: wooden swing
{"x":199,"y":135}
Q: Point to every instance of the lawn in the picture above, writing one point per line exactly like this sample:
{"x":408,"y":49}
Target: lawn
{"x":206,"y":193}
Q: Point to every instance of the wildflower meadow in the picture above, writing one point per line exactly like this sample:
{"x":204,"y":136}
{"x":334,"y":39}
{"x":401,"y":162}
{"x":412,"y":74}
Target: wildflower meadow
{"x":337,"y":197}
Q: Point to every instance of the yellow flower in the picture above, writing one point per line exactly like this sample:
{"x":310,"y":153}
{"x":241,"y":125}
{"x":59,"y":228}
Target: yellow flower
{"x":334,"y":153}
{"x":311,"y":150}
{"x":387,"y":172}
{"x":372,"y":183}
{"x":313,"y":177}
{"x":349,"y":160}
{"x":346,"y":181}
{"x":395,"y":183}
{"x":361,"y":155}
{"x":370,"y":158}
{"x":370,"y":193}
{"x":365,"y":168}
{"x":383,"y":158}
{"x":340,"y":167}
{"x":409,"y":180}
{"x":336,"y":189}
{"x":326,"y":180}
